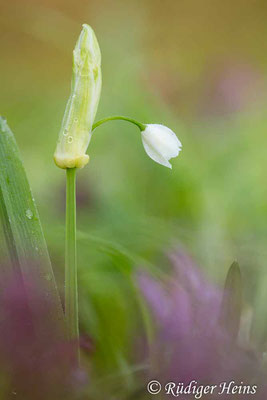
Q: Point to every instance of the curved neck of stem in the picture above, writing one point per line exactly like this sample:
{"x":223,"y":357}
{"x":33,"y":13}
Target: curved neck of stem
{"x":119,"y":117}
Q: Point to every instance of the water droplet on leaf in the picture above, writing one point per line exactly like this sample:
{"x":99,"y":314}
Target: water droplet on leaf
{"x":29,"y":214}
{"x":70,"y":139}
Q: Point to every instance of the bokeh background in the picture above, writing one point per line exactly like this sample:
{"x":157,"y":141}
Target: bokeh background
{"x":197,"y":66}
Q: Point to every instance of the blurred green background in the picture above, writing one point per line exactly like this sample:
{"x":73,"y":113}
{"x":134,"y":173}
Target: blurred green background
{"x":197,"y":66}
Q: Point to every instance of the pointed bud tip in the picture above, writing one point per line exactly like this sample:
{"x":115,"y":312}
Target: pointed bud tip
{"x":87,"y":27}
{"x":87,"y":33}
{"x":87,"y":48}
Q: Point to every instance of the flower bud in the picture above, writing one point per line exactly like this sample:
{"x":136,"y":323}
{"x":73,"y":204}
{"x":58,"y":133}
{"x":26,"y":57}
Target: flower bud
{"x":76,"y":128}
{"x":160,"y":143}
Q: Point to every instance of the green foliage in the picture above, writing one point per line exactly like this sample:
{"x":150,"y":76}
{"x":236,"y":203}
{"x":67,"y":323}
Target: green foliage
{"x":232,"y":301}
{"x":22,"y":227}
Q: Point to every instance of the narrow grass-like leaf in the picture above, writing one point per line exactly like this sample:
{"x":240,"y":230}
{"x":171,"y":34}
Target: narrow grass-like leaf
{"x":21,"y":223}
{"x":113,"y":249}
{"x":232,"y":301}
{"x":8,"y":234}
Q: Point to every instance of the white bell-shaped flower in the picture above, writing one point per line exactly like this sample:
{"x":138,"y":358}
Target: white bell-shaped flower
{"x":160,"y":143}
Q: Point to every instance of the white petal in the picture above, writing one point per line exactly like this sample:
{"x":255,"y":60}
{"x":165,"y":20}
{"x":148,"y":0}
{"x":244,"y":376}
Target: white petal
{"x":160,"y":143}
{"x":154,"y":155}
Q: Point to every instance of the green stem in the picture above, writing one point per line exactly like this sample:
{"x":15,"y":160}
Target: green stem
{"x":119,"y":117}
{"x":71,"y":290}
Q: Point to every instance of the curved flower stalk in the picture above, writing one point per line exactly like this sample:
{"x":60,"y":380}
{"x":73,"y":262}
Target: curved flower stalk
{"x":160,"y":143}
{"x":76,"y":129}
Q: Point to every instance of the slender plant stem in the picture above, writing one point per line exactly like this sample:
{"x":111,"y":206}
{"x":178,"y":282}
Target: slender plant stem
{"x":71,"y":289}
{"x":119,"y":117}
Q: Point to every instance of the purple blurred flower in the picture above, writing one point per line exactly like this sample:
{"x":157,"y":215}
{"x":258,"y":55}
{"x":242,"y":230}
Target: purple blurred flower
{"x":36,"y":362}
{"x":189,"y":343}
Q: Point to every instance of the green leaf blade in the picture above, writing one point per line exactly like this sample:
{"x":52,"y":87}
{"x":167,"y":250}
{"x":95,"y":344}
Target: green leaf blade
{"x":22,"y":227}
{"x":232,"y":301}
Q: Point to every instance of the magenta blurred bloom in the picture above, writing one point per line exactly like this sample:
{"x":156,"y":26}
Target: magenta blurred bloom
{"x":190,"y":344}
{"x":36,"y":362}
